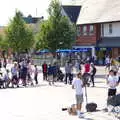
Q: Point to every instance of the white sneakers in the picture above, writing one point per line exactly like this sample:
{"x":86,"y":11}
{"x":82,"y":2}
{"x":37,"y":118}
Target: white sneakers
{"x":80,"y":115}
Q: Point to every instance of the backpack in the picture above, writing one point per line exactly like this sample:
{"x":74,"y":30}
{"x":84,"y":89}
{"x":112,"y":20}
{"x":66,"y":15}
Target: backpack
{"x":91,"y":107}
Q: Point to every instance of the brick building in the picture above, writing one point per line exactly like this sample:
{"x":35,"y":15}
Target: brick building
{"x":98,"y":27}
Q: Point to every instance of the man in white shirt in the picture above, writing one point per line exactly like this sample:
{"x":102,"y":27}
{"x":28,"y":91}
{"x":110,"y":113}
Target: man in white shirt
{"x":77,"y":84}
{"x":112,"y":82}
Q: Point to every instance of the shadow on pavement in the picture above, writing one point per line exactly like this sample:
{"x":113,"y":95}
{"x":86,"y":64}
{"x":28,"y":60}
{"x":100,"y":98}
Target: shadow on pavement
{"x":59,"y":85}
{"x":100,"y":87}
{"x":88,"y":119}
{"x":100,"y":76}
{"x":99,"y":82}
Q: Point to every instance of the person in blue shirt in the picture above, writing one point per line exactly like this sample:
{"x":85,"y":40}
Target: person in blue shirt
{"x":50,"y":74}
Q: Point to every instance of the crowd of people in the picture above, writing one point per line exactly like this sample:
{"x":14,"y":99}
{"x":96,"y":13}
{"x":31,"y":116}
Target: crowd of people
{"x":22,"y":72}
{"x":52,"y":73}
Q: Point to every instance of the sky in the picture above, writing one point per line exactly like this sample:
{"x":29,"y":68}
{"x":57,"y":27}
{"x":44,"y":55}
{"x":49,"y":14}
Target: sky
{"x":8,"y":8}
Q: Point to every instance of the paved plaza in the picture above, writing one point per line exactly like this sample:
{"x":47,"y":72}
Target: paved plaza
{"x":44,"y":102}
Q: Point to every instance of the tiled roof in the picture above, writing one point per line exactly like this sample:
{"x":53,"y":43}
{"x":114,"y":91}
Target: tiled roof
{"x":72,"y":12}
{"x":98,"y":11}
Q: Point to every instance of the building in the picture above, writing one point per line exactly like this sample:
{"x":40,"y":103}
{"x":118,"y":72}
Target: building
{"x":33,"y":22}
{"x":71,"y":11}
{"x":98,"y":27}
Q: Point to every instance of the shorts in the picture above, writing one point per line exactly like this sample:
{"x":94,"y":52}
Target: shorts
{"x":111,"y":92}
{"x":79,"y":99}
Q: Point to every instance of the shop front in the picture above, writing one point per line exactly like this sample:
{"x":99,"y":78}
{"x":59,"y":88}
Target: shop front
{"x":110,"y":46}
{"x":85,"y":51}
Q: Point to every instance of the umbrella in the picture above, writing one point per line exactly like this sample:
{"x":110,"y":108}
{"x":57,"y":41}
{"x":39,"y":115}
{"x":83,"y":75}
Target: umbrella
{"x":63,"y":50}
{"x":74,"y":50}
{"x":44,"y":51}
{"x":82,"y":49}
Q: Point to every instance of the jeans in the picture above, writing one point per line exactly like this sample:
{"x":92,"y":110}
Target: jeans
{"x":68,"y":75}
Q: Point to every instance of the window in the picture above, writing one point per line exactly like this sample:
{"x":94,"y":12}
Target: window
{"x":110,"y":28}
{"x":102,"y":30}
{"x":84,"y":30}
{"x":78,"y":30}
{"x":91,"y":30}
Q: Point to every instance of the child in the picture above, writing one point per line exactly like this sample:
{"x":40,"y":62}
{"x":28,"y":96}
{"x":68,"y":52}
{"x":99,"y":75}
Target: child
{"x":78,"y":84}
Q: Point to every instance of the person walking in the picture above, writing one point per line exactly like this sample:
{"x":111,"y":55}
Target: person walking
{"x":77,"y":84}
{"x":93,"y":72}
{"x":44,"y":70}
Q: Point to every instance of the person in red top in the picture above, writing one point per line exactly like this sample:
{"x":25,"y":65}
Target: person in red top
{"x":44,"y":69}
{"x":87,"y":68}
{"x":86,"y":74}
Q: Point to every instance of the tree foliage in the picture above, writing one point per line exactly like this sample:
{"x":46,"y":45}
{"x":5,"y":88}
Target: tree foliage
{"x":3,"y":43}
{"x":19,"y":35}
{"x":57,"y":32}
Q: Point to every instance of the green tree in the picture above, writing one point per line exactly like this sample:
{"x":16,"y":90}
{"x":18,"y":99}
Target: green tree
{"x":57,"y":32}
{"x":19,"y":35}
{"x":3,"y":43}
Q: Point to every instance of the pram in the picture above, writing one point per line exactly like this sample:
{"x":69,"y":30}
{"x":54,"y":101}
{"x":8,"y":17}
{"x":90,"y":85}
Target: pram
{"x":114,"y":105}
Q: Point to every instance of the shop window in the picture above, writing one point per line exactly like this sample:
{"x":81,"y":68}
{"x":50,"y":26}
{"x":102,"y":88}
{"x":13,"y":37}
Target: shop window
{"x":84,"y":30}
{"x":110,"y":28}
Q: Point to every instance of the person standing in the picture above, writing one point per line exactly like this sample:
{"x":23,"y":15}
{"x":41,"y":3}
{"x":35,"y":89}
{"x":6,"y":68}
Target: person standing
{"x":93,"y":72}
{"x":77,"y":66}
{"x":14,"y":72}
{"x":36,"y":74}
{"x":87,"y":67}
{"x":68,"y":72}
{"x":50,"y":74}
{"x":29,"y":73}
{"x":112,"y":82}
{"x":77,"y":84}
{"x":0,"y":64}
{"x":55,"y":71}
{"x":107,"y":62}
{"x":24,"y":71}
{"x":44,"y":70}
